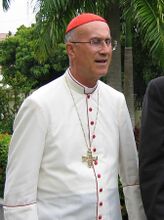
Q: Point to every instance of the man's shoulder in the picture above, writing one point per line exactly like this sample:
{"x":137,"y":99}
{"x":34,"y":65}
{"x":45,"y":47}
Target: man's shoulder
{"x":47,"y":94}
{"x":157,"y":83}
{"x":110,"y":90}
{"x":155,"y":89}
{"x":49,"y":88}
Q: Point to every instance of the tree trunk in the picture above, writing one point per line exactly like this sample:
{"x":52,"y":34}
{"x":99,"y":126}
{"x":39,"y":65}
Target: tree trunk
{"x":128,"y":81}
{"x":114,"y":75}
{"x":128,"y":69}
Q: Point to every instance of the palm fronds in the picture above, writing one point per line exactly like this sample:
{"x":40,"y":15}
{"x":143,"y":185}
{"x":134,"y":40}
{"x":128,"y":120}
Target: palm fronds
{"x":150,"y":18}
{"x":5,"y":4}
{"x":53,"y":17}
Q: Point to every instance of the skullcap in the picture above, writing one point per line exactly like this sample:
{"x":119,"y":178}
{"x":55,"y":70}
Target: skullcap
{"x":83,"y":19}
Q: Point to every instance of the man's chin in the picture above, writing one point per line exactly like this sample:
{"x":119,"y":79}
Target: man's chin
{"x":104,"y":73}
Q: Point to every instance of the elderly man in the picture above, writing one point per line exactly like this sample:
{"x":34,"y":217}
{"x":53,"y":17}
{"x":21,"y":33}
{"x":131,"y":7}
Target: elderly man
{"x":72,"y":138}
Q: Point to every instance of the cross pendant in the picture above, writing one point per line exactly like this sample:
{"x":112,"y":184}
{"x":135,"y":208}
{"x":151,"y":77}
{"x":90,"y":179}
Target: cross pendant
{"x":89,"y":158}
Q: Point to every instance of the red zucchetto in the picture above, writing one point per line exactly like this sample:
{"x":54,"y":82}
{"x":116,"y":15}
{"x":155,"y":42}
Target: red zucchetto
{"x":83,"y":19}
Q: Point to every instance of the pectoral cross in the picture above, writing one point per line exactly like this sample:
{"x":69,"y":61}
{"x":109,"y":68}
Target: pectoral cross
{"x":89,"y":158}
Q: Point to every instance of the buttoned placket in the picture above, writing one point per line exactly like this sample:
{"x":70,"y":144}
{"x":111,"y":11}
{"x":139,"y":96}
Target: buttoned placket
{"x":91,"y":116}
{"x":98,"y":176}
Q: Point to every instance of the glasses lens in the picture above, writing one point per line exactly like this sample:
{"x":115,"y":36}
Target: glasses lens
{"x":108,"y":42}
{"x":96,"y":42}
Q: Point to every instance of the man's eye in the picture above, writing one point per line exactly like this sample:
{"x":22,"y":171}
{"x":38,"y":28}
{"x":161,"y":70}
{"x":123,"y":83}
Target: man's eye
{"x":108,"y":41}
{"x":96,"y":41}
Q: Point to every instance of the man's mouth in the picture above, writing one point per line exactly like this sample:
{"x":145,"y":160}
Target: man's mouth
{"x":101,"y":61}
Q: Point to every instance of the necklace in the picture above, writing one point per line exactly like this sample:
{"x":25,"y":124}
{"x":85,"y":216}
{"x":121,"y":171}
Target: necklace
{"x":89,"y":158}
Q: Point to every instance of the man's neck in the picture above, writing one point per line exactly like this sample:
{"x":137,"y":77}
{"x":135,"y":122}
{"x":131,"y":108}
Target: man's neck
{"x":84,"y":83}
{"x":87,"y":89}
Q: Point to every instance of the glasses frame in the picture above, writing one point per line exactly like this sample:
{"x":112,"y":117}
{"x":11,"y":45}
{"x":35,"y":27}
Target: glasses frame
{"x":96,"y":42}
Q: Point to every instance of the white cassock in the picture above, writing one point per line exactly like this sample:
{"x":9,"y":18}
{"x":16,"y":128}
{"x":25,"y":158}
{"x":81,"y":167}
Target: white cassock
{"x":48,"y":173}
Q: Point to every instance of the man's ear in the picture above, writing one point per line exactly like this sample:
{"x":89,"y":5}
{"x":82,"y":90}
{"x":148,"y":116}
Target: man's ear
{"x":70,"y":49}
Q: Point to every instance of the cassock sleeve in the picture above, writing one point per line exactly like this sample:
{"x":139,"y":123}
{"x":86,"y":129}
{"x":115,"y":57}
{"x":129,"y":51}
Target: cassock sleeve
{"x":128,"y":167}
{"x":151,"y":150}
{"x":24,"y":159}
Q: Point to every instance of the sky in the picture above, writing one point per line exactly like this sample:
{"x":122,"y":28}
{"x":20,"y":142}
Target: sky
{"x":19,"y":13}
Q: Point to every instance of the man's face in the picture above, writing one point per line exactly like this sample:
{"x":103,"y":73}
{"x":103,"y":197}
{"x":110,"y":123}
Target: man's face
{"x":91,"y":61}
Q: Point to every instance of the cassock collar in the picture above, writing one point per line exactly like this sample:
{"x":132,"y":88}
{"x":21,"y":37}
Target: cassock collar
{"x":78,"y":86}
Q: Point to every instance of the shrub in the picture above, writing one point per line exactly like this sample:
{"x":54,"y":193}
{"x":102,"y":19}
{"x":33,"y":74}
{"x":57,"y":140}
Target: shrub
{"x":7,"y":109}
{"x":122,"y":202}
{"x":4,"y":143}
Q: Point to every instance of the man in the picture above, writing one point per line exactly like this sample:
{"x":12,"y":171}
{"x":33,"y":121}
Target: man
{"x":151,"y":150}
{"x":71,"y":139}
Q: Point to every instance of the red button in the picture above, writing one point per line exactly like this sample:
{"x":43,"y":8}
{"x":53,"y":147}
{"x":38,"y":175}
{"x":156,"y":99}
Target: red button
{"x":100,"y":216}
{"x":94,"y":149}
{"x":90,"y":109}
{"x":101,"y":189}
{"x":93,"y":136}
{"x":101,"y":204}
{"x":92,"y":122}
{"x":96,"y":162}
{"x":88,"y":96}
{"x":99,"y":175}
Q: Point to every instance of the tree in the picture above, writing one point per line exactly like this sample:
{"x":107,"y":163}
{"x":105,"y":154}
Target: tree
{"x":128,"y":84}
{"x":22,"y":72}
{"x":147,"y":15}
{"x":114,"y":76}
{"x":145,"y":68}
{"x":6,"y":4}
{"x":17,"y":54}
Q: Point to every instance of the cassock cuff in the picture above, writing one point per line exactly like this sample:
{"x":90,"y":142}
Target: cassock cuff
{"x":27,"y":212}
{"x":134,"y":203}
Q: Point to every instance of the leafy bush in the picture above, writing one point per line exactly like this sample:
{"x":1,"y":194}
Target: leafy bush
{"x":6,"y":110}
{"x":4,"y":143}
{"x":122,"y":202}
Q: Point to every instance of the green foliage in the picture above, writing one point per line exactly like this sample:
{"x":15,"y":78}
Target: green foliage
{"x":6,"y":4}
{"x":150,"y":19}
{"x":53,"y":17}
{"x":148,"y":16}
{"x":4,"y":143}
{"x":6,"y":112}
{"x":122,"y":202}
{"x":18,"y":58}
{"x":145,"y":68}
{"x":15,"y":59}
{"x":22,"y":72}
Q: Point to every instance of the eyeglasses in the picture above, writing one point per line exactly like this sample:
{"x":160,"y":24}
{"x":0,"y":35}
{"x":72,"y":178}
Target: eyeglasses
{"x":98,"y":43}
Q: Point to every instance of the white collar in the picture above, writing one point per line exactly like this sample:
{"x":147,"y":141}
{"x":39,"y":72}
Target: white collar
{"x":78,"y":86}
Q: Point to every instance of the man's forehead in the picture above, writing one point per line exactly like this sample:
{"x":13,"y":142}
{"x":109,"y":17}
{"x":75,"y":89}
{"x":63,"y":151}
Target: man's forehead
{"x":95,"y":28}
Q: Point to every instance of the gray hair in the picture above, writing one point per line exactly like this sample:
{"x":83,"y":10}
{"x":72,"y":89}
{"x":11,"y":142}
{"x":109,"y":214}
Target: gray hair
{"x":69,"y":36}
